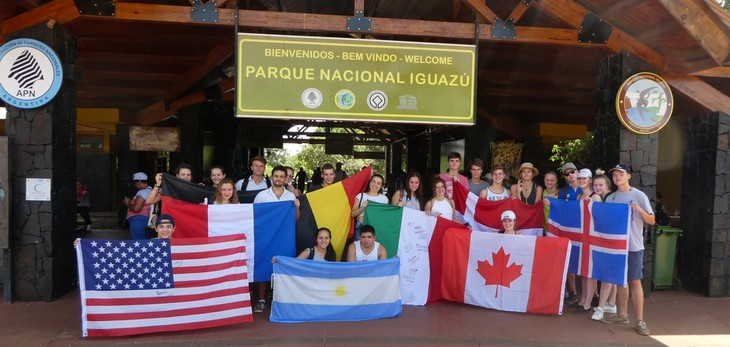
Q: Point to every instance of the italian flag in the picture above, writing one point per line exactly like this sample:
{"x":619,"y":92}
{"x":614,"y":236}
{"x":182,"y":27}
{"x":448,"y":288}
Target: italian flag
{"x":416,"y":238}
{"x":516,"y":273}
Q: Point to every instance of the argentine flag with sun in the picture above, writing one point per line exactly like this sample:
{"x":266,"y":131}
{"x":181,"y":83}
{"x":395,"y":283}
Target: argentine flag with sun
{"x":318,"y":291}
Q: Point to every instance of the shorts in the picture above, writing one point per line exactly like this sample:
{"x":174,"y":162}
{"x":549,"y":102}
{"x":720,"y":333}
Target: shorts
{"x":636,"y":265}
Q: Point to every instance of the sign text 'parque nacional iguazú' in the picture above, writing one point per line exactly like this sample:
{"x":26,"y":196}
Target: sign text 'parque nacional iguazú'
{"x":352,"y":79}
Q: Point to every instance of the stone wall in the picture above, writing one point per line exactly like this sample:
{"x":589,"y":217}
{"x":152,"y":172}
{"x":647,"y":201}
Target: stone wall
{"x":615,"y":144}
{"x":43,"y":146}
{"x":704,"y":248}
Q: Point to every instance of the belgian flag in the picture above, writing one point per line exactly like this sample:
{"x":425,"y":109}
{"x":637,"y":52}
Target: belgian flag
{"x":330,"y":207}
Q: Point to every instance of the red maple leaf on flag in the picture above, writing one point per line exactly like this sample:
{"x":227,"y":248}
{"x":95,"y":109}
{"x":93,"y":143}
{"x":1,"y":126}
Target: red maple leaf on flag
{"x":499,"y":273}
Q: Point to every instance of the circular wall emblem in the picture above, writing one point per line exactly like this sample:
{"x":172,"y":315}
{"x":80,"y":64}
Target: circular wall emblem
{"x":377,"y":100}
{"x":644,"y":103}
{"x":345,"y":99}
{"x":312,"y":98}
{"x":30,"y":73}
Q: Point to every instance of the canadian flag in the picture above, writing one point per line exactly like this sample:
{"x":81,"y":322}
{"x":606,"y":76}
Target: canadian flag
{"x":516,"y":273}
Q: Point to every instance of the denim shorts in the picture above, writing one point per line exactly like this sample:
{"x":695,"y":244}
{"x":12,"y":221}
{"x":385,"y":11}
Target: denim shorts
{"x":636,"y":265}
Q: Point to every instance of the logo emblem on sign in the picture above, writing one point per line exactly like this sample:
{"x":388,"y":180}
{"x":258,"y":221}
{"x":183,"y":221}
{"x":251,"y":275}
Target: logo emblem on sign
{"x":377,"y":100}
{"x":644,"y":103}
{"x":345,"y":99}
{"x":30,"y":73}
{"x":312,"y":98}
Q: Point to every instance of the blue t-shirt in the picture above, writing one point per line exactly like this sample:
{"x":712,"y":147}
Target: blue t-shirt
{"x":568,"y":193}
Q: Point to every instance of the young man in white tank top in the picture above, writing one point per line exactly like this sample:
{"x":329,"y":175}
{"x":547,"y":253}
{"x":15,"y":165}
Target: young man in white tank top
{"x":366,"y":249}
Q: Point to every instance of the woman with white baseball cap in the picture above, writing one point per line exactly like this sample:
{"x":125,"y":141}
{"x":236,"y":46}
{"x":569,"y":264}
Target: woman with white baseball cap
{"x":509,"y":220}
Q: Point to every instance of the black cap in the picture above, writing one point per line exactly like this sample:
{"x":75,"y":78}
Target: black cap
{"x":622,"y":167}
{"x":165,"y":219}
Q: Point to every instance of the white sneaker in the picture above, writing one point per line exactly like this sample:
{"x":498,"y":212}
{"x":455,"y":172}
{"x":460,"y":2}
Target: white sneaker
{"x":609,"y":308}
{"x":597,"y":313}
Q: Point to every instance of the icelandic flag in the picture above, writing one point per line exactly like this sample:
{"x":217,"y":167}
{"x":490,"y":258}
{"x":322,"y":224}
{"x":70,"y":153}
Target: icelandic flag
{"x":598,"y":234}
{"x":412,"y":235}
{"x":320,"y":291}
{"x":516,"y":273}
{"x":269,"y":228}
{"x":484,"y":215}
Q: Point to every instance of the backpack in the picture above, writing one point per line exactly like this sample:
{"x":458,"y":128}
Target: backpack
{"x":246,"y":180}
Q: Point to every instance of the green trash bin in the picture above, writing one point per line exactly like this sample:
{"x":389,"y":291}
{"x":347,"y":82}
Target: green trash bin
{"x":665,"y":248}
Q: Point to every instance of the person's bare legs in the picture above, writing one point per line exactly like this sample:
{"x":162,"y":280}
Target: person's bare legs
{"x":637,"y":299}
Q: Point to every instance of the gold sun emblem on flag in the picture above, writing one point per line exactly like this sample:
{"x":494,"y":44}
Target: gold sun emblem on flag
{"x":340,"y":290}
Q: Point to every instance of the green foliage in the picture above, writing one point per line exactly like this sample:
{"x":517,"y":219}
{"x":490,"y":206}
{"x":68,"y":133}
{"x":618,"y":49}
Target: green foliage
{"x":578,"y":151}
{"x":313,"y":156}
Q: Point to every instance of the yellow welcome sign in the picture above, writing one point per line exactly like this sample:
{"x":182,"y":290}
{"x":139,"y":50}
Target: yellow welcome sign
{"x":352,"y":79}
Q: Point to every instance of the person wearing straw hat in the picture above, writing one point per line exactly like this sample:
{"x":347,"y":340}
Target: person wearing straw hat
{"x":526,"y":190}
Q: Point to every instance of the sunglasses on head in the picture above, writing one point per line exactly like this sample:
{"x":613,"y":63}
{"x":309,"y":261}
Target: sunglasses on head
{"x":568,"y":173}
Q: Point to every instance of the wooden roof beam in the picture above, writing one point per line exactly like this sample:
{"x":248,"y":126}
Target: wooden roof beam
{"x":61,"y":11}
{"x":718,"y":71}
{"x":519,"y":11}
{"x":694,"y":18}
{"x":573,"y":14}
{"x":701,"y":93}
{"x":482,"y":10}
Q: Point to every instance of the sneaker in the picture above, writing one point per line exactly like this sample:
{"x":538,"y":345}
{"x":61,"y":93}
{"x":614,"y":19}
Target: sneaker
{"x":260,"y":307}
{"x":641,"y":328}
{"x":609,"y":308}
{"x":597,"y":313}
{"x":572,"y":298}
{"x":615,"y":319}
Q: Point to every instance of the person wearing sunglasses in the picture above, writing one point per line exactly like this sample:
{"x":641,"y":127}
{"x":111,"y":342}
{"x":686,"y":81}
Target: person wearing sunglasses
{"x":572,"y":190}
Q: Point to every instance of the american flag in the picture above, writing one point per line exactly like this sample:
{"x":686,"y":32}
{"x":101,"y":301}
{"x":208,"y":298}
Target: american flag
{"x":131,"y":287}
{"x":598,"y":234}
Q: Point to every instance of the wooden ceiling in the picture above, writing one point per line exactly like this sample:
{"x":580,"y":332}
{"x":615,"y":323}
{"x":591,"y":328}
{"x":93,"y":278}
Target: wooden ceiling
{"x":148,"y":58}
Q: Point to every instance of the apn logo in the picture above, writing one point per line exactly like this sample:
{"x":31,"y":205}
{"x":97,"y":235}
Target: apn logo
{"x":30,"y":73}
{"x":26,"y":71}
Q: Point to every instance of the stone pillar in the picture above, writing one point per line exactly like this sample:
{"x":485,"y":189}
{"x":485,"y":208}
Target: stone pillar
{"x":43,"y":146}
{"x":704,"y":248}
{"x":615,"y":144}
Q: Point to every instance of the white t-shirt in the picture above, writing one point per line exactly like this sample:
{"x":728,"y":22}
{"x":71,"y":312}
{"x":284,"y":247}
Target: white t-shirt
{"x":269,"y":196}
{"x":252,"y":185}
{"x":379,"y":198}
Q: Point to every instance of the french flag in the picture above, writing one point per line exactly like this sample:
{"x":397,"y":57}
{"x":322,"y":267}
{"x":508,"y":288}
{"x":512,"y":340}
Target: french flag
{"x":269,"y":228}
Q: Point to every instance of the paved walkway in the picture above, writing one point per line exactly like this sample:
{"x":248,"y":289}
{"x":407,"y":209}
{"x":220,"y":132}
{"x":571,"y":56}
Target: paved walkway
{"x":676,"y":318}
